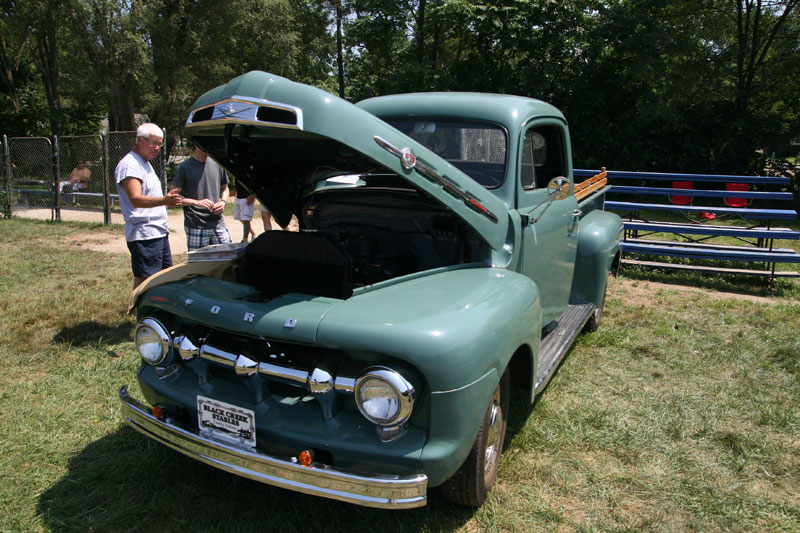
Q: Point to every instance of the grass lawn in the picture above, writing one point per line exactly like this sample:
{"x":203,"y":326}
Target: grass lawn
{"x":681,"y":413}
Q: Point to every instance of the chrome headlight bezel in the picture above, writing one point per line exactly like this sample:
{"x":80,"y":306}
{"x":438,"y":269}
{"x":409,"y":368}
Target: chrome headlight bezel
{"x":156,"y":343}
{"x":390,"y":387}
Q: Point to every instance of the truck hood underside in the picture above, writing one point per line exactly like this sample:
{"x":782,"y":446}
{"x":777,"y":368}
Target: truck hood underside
{"x":281,"y":138}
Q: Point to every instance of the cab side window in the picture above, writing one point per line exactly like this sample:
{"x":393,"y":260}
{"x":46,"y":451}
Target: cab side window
{"x":542,"y":157}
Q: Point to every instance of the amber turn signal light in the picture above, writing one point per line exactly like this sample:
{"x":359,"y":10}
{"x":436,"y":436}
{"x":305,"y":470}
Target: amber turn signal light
{"x":306,"y":457}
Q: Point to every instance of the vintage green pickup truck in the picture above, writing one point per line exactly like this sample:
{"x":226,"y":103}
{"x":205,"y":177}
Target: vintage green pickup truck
{"x":442,"y":257}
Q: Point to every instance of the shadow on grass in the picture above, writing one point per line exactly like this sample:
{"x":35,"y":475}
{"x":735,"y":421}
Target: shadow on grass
{"x":125,"y":482}
{"x":520,"y":410}
{"x":95,"y":334}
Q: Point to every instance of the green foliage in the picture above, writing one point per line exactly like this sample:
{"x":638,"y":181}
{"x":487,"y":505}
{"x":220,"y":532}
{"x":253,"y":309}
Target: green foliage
{"x":694,"y":86}
{"x":646,"y":85}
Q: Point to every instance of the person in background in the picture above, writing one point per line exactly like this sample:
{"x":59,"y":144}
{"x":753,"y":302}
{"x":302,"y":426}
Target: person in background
{"x":204,"y":187}
{"x":266,"y":218}
{"x":243,"y":211}
{"x":78,"y":179}
{"x":143,"y":205}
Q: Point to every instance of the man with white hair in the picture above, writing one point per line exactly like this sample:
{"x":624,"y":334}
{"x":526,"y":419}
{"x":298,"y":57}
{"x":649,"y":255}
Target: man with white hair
{"x":143,"y":205}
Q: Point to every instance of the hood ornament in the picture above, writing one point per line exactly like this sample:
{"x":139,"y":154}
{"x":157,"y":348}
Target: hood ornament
{"x":408,"y":158}
{"x":231,"y":109}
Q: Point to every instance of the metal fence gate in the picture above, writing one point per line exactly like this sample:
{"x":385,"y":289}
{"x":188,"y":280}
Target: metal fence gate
{"x":36,"y":176}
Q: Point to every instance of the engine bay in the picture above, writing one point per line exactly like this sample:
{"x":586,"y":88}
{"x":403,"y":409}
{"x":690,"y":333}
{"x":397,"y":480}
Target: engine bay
{"x":351,"y":240}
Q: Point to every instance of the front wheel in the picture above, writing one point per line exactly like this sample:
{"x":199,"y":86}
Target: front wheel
{"x":470,"y":485}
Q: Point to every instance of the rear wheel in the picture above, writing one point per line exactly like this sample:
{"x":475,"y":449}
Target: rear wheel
{"x":471,"y":484}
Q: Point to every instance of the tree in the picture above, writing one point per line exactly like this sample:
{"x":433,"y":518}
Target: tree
{"x":316,"y":45}
{"x":760,"y":24}
{"x":41,"y":20}
{"x":115,"y":45}
{"x":664,"y":86}
{"x":36,"y":41}
{"x":197,"y":45}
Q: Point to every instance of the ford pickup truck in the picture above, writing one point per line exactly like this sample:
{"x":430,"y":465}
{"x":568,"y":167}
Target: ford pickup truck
{"x":443,"y":255}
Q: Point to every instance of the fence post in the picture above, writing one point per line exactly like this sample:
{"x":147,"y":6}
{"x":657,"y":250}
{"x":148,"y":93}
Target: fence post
{"x":7,"y":165}
{"x":55,"y":209}
{"x":106,"y":192}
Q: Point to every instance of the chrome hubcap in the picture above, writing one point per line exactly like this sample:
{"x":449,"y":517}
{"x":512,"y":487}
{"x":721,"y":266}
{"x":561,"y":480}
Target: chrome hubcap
{"x":496,"y":418}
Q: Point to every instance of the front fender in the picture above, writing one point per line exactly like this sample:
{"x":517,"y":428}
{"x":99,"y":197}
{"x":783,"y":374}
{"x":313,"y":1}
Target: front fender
{"x":456,"y":417}
{"x":459,"y":328}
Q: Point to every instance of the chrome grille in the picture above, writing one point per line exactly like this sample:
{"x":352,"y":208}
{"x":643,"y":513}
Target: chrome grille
{"x":261,"y":364}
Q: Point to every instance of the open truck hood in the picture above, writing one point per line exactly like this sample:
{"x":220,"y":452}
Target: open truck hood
{"x":279,"y":138}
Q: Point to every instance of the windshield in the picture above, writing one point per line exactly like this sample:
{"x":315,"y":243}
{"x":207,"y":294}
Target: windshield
{"x":478,"y":150}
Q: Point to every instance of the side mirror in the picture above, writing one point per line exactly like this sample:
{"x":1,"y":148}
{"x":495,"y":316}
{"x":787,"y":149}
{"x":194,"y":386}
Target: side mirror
{"x":559,"y":188}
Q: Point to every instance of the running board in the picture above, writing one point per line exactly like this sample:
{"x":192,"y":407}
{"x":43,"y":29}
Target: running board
{"x":556,"y":344}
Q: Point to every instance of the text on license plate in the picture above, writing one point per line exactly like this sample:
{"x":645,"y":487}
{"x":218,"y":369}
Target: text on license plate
{"x":225,"y":422}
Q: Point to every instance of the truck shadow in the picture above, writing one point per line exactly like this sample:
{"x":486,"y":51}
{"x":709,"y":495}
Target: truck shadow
{"x":126,"y":482}
{"x":91,"y":333}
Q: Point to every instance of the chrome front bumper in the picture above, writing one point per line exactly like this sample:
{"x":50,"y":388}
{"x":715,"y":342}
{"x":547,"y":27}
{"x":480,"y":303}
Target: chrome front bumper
{"x":387,"y":492}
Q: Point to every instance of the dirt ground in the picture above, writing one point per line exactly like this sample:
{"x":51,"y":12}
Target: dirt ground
{"x":116,"y":244}
{"x":643,"y":289}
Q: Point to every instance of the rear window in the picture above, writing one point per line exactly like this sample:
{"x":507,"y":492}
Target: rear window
{"x":478,"y":150}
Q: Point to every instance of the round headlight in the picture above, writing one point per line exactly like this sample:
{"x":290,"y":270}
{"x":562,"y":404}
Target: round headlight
{"x":152,"y":340}
{"x":384,"y":397}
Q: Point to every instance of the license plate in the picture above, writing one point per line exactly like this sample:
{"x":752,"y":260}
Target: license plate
{"x":226,"y":423}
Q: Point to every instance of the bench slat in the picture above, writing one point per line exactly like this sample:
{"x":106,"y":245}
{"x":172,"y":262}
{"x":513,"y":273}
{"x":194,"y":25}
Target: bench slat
{"x":703,"y":268}
{"x":761,"y":214}
{"x":666,"y":191}
{"x":721,"y":178}
{"x":711,"y":246}
{"x":719,"y":231}
{"x":710,"y":253}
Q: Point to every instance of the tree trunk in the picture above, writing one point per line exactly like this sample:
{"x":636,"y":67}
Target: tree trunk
{"x":7,"y":75}
{"x":47,"y":60}
{"x":420,"y":38}
{"x":339,"y":48}
{"x":121,"y":110}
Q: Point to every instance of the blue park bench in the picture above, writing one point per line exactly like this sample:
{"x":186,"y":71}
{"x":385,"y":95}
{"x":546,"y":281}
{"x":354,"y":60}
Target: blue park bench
{"x":757,"y":240}
{"x":112,"y":197}
{"x":30,"y":190}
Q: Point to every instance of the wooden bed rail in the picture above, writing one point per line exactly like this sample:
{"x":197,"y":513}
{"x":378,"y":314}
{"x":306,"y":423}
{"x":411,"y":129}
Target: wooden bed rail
{"x":588,"y":186}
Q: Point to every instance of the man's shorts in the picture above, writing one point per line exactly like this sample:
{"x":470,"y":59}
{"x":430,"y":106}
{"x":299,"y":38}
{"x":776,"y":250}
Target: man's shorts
{"x":263,"y":208}
{"x":199,"y":238}
{"x":242,"y":210}
{"x":150,"y":256}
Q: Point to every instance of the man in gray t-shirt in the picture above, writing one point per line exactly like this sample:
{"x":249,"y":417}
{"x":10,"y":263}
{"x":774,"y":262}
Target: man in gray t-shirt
{"x":143,"y":206}
{"x":204,"y":187}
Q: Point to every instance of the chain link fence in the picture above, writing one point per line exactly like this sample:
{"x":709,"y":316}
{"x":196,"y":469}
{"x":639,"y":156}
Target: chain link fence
{"x":68,"y":178}
{"x":29,"y":174}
